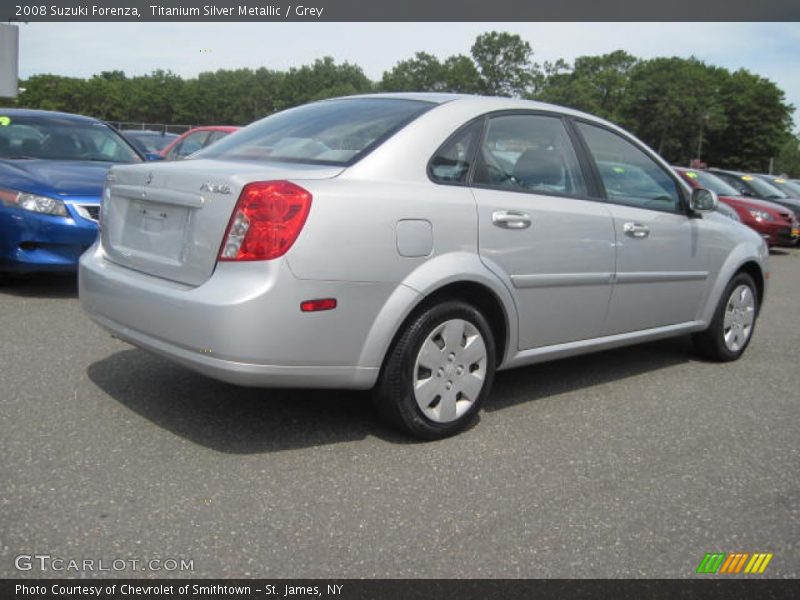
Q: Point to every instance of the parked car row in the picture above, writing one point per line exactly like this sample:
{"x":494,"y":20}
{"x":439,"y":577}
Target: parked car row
{"x":776,"y":223}
{"x":195,"y":140}
{"x":52,"y":170}
{"x":147,"y":141}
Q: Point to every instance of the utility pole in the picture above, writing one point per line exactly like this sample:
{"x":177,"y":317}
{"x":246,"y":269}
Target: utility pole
{"x":703,"y":121}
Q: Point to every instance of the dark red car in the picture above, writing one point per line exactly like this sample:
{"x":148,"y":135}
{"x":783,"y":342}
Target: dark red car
{"x":776,"y":223}
{"x":195,"y":139}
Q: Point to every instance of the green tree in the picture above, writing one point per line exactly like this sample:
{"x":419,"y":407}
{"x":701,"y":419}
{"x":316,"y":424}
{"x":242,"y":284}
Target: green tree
{"x":788,"y":160}
{"x":53,"y":92}
{"x":671,"y":103}
{"x":596,"y":84}
{"x":504,"y":62}
{"x":758,"y":120}
{"x":323,"y":79}
{"x":425,"y":73}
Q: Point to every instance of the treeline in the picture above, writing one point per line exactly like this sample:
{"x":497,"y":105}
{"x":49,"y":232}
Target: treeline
{"x":681,"y":107}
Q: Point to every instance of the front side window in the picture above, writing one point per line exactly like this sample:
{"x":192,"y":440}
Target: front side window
{"x":333,"y":132}
{"x":530,"y":153}
{"x":629,"y":175}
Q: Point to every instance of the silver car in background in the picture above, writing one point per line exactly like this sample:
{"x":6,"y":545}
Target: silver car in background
{"x":416,"y":244}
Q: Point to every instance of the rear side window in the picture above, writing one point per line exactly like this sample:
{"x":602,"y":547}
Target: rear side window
{"x":333,"y":132}
{"x":452,"y":161}
{"x":530,"y":153}
{"x":629,"y":175}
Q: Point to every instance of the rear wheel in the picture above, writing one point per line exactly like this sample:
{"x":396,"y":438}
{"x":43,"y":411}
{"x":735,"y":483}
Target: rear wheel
{"x":734,"y":320}
{"x":438,"y":372}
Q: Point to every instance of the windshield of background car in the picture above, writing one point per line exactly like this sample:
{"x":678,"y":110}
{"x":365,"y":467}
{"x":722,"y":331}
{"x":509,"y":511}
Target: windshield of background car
{"x":151,"y":142}
{"x":54,"y":138}
{"x":762,"y":188}
{"x":713,"y":183}
{"x":331,"y":132}
{"x":791,"y":188}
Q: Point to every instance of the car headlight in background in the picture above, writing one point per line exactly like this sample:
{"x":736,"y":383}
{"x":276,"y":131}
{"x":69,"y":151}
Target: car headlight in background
{"x":760,"y":215}
{"x":34,"y":203}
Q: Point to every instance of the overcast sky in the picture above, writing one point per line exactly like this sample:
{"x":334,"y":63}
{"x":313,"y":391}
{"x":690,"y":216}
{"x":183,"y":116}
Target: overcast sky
{"x":82,"y":49}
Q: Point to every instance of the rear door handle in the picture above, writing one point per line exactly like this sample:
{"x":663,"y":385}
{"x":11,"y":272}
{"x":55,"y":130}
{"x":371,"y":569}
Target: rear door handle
{"x":636,"y":230}
{"x":511,"y":219}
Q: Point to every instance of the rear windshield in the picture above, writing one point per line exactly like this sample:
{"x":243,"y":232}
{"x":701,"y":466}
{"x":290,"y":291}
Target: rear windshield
{"x":52,"y":137}
{"x":331,"y":132}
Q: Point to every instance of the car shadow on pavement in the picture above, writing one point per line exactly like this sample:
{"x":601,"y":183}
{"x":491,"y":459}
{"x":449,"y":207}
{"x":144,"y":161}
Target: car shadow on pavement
{"x":42,"y":286}
{"x":238,"y":420}
{"x":571,"y":374}
{"x":234,"y":419}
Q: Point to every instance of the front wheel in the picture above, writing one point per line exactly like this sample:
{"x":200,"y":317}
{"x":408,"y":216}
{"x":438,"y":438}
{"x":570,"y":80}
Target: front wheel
{"x":734,"y":320}
{"x":438,"y":372}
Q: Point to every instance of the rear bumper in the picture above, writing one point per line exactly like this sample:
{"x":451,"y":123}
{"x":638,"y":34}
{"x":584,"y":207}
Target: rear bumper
{"x":243,"y":325}
{"x":31,"y":242}
{"x":247,"y":374}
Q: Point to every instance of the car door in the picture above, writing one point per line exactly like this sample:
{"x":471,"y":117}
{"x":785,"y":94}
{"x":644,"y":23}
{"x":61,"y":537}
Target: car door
{"x":662,"y":263}
{"x":539,"y":228}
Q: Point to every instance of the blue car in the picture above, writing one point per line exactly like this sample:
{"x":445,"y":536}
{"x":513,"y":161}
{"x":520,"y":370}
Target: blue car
{"x":52,"y":169}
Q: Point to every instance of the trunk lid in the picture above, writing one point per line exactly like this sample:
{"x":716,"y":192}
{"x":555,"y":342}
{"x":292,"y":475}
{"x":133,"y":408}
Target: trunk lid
{"x":168,"y":219}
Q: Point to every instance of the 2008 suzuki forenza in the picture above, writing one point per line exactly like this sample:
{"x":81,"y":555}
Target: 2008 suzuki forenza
{"x":415,"y":244}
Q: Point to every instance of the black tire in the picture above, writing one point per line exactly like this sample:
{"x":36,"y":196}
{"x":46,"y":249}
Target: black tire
{"x":711,"y":342}
{"x":394,"y":396}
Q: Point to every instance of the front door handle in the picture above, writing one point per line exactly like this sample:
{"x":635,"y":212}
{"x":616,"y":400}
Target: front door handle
{"x":511,"y":219}
{"x":636,"y":230}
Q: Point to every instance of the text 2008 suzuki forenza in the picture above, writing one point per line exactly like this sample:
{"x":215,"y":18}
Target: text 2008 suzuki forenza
{"x":415,"y":243}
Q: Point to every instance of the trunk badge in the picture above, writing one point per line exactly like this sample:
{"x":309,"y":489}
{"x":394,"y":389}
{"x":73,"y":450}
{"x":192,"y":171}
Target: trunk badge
{"x":215,"y":188}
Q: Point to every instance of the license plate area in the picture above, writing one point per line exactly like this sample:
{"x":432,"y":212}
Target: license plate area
{"x":155,"y":229}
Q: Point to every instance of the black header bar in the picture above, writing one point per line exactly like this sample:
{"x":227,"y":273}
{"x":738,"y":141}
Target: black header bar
{"x":399,"y":10}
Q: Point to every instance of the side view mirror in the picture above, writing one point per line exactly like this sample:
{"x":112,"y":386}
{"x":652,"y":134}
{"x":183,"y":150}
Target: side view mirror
{"x":703,"y":200}
{"x":153,"y":156}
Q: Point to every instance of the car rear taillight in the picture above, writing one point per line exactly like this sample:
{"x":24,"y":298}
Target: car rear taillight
{"x":266,"y":221}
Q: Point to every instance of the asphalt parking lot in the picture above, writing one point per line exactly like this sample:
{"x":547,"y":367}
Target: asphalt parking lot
{"x":628,"y":463}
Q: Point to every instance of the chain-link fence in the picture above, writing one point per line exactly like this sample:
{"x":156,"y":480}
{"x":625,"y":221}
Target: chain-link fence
{"x":159,"y":127}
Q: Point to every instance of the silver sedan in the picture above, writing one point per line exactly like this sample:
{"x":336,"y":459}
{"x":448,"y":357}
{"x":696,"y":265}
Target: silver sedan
{"x":415,"y":244}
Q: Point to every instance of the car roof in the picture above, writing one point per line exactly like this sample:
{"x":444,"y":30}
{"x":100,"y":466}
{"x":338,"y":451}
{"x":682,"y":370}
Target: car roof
{"x":213,"y":128}
{"x":490,"y":102}
{"x":716,"y":170}
{"x":28,"y":112}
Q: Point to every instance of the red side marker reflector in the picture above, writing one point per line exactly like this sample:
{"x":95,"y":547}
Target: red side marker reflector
{"x":317,"y":305}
